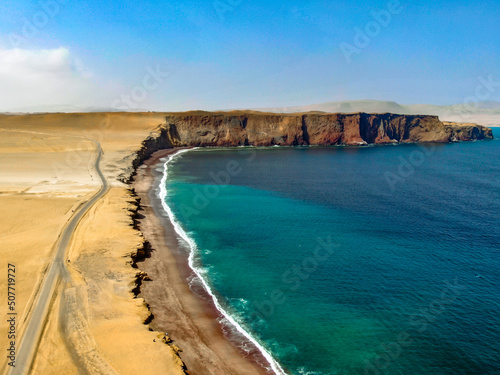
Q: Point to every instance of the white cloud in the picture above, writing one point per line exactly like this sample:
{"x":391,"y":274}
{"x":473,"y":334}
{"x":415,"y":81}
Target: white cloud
{"x":37,"y":79}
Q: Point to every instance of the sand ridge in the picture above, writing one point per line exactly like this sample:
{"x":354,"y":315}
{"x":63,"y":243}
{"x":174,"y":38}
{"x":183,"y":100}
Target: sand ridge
{"x":95,"y":322}
{"x":46,"y":173}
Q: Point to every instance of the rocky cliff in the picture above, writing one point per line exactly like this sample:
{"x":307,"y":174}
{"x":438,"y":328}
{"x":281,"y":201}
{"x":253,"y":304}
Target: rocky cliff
{"x":237,"y":128}
{"x":267,"y":129}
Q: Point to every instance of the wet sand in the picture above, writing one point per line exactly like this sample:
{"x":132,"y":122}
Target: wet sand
{"x":190,"y":319}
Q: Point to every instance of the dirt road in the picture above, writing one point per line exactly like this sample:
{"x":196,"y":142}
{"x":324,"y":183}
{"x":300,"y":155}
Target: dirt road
{"x":31,"y":338}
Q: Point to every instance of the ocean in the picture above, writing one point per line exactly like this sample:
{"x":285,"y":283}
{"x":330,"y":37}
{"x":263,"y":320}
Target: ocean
{"x":348,"y":260}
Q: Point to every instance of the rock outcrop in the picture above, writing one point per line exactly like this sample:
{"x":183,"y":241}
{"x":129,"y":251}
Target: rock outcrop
{"x":251,"y":128}
{"x":267,"y":129}
{"x":467,"y":131}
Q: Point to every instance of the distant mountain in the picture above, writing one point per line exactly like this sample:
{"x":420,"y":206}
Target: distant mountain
{"x":345,"y":106}
{"x":484,"y":113}
{"x":489,"y":104}
{"x":69,"y":109}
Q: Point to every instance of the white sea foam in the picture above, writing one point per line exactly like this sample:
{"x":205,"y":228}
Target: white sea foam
{"x":275,"y":366}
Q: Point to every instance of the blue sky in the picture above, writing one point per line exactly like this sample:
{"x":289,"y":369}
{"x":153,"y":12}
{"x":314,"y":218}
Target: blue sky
{"x":244,"y":53}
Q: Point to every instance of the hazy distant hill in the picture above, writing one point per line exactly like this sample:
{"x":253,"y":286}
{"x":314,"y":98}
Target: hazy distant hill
{"x":485,"y":113}
{"x":63,"y":109}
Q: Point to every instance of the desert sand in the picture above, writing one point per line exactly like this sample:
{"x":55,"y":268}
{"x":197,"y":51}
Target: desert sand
{"x":35,"y":204}
{"x":190,"y":320}
{"x":95,"y":324}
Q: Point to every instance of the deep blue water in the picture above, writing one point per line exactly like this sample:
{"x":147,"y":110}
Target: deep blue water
{"x":352,"y":260}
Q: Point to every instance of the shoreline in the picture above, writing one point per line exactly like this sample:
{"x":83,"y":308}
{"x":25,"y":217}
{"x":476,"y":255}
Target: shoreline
{"x":190,"y":317}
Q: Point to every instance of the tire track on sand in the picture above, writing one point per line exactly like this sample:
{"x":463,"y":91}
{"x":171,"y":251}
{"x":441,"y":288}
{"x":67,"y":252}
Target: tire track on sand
{"x":73,"y":320}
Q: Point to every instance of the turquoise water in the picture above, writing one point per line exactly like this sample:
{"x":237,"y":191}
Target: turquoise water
{"x":347,"y":260}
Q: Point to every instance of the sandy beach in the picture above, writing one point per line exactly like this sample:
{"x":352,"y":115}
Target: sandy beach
{"x":94,"y":324}
{"x":249,"y":188}
{"x":95,"y":320}
{"x":189,"y":320}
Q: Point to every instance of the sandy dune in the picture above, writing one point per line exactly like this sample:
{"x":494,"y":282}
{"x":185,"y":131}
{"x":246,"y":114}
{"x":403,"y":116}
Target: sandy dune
{"x":45,"y":173}
{"x":95,"y":323}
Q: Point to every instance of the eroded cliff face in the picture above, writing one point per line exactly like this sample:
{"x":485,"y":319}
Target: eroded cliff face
{"x":467,"y":131}
{"x":245,"y":128}
{"x":266,"y":129}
